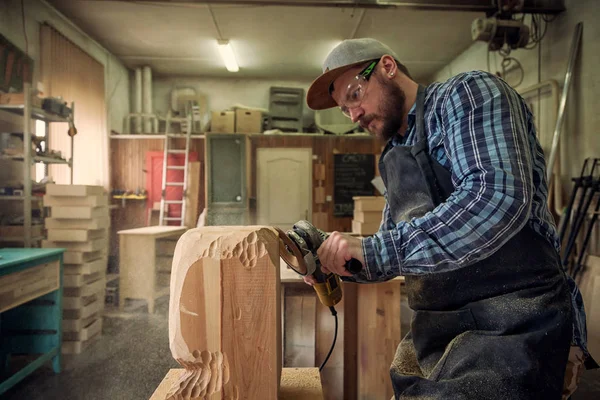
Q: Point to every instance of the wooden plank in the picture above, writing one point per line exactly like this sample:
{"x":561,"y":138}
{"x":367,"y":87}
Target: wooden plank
{"x":86,"y":333}
{"x":84,"y":312}
{"x":86,"y":290}
{"x":369,"y":203}
{"x":319,"y":195}
{"x":225,"y":300}
{"x":81,"y":257}
{"x":77,"y":347}
{"x":78,"y":280}
{"x":193,"y":194}
{"x":319,"y":172}
{"x":155,"y":231}
{"x":20,"y":287}
{"x":92,"y":245}
{"x":300,"y":319}
{"x":79,"y":212}
{"x":76,"y":303}
{"x":320,"y":220}
{"x":76,"y":325}
{"x":367,"y":216}
{"x":350,"y":339}
{"x":92,"y":268}
{"x":378,"y":317}
{"x":74,"y":190}
{"x":79,"y":201}
{"x":365,"y":228}
{"x":76,"y":235}
{"x":93,"y":223}
{"x":296,"y":384}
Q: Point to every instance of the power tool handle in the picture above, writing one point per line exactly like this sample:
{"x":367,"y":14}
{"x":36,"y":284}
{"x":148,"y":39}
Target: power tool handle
{"x":353,"y":266}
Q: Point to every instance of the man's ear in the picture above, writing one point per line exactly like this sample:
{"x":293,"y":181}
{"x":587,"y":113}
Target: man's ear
{"x":388,"y":66}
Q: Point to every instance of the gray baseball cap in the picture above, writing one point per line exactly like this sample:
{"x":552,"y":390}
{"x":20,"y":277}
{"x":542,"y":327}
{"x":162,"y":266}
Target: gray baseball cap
{"x":344,"y":56}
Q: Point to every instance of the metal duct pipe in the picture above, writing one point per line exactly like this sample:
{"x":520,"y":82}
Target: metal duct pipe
{"x":137,"y":102}
{"x":147,"y":98}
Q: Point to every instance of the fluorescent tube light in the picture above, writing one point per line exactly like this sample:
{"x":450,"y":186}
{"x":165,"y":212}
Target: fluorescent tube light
{"x":228,"y":56}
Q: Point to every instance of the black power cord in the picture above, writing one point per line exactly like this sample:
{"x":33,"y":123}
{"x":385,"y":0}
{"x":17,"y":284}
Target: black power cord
{"x":334,"y":313}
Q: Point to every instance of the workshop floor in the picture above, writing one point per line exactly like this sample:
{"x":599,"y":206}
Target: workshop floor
{"x":132,"y":356}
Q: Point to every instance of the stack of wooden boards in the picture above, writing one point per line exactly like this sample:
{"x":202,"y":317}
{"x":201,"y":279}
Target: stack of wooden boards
{"x":79,"y":223}
{"x":367,"y":214}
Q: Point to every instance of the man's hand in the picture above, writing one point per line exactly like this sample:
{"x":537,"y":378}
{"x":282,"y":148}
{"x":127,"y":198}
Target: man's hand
{"x":335,"y":252}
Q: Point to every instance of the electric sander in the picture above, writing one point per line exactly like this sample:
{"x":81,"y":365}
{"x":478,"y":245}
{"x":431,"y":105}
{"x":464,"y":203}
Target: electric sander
{"x":298,"y":248}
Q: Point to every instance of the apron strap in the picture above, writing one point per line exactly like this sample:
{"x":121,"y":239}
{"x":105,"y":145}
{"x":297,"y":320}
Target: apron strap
{"x":421,"y":150}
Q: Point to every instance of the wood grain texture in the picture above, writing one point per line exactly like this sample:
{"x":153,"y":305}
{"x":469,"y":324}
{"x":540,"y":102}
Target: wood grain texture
{"x":300,"y":303}
{"x":378,"y":336}
{"x":225,"y":290}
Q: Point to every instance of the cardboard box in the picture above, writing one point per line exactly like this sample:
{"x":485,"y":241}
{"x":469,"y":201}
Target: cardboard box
{"x":223,"y":122}
{"x":248,"y":121}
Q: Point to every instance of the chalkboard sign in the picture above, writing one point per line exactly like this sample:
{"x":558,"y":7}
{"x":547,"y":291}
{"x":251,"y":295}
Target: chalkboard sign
{"x":353,"y":174}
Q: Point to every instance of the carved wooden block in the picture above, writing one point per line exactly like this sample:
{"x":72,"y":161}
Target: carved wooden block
{"x":224,"y":313}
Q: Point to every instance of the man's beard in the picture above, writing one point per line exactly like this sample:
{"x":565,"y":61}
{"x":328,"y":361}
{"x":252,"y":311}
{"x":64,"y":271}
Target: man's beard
{"x":391,"y":110}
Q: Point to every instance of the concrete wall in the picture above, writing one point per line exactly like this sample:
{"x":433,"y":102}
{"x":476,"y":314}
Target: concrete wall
{"x":116,"y":75}
{"x":582,"y":119}
{"x":224,"y":93}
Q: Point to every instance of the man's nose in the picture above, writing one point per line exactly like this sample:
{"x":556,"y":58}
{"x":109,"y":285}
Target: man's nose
{"x":356,"y":113}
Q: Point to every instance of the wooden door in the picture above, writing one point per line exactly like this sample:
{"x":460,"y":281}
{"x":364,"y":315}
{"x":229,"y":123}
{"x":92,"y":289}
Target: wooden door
{"x":284,"y":186}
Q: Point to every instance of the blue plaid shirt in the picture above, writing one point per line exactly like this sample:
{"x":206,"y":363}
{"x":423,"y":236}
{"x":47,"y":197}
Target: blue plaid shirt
{"x":482,"y":131}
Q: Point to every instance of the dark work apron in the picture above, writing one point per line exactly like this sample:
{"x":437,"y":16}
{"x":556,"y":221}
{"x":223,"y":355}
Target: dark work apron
{"x":498,"y":329}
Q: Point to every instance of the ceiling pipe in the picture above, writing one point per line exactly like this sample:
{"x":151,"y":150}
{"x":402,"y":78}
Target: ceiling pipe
{"x":488,"y":6}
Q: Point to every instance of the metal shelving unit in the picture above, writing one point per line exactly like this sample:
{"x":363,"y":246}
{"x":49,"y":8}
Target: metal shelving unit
{"x":30,"y":112}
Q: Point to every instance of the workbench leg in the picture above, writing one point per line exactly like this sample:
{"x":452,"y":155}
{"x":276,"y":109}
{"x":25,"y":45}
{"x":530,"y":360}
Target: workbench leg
{"x":151,"y":306}
{"x":56,"y":362}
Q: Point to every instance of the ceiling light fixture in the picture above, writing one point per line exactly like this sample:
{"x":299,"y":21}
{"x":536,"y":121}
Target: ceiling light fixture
{"x":228,"y":56}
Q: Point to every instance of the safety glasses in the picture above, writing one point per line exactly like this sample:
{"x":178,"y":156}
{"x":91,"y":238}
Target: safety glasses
{"x":355,"y":92}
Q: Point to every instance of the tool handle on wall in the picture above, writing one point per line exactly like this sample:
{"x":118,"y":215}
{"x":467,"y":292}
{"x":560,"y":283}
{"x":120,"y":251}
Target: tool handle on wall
{"x":353,"y":266}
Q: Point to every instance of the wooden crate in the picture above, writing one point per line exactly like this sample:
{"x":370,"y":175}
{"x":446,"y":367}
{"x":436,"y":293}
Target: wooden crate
{"x":73,"y":190}
{"x":20,"y":287}
{"x":92,"y":223}
{"x":76,"y":235}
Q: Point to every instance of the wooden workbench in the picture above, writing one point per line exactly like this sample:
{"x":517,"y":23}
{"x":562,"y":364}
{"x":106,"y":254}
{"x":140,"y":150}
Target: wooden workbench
{"x":138,"y":273}
{"x":30,"y":309}
{"x":295,"y":384}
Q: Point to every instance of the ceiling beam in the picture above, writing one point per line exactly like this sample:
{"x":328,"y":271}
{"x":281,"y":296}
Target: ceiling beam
{"x":488,"y":6}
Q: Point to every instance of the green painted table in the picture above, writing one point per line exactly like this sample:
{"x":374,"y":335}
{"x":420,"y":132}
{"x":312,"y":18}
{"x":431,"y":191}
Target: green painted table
{"x":30,"y":309}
